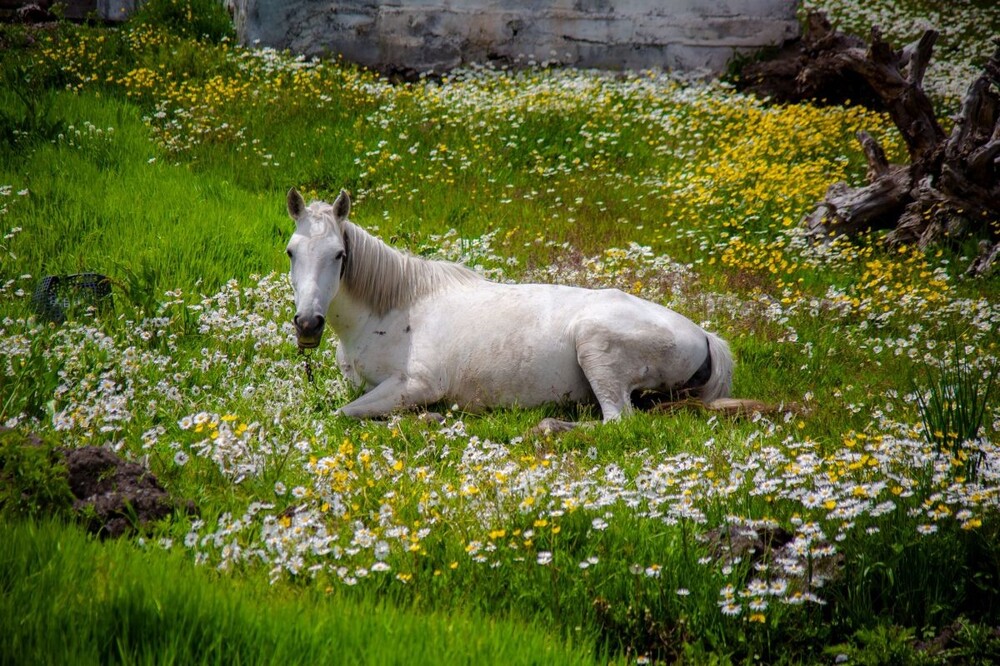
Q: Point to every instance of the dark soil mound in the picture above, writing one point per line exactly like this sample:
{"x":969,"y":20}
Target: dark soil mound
{"x":115,"y":496}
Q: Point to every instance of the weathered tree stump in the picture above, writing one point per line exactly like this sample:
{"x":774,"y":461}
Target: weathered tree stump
{"x":951,"y":187}
{"x":777,"y":78}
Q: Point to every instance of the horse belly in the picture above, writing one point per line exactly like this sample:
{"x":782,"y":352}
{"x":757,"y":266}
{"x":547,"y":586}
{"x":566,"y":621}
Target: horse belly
{"x":519,"y":372}
{"x":503,"y":350}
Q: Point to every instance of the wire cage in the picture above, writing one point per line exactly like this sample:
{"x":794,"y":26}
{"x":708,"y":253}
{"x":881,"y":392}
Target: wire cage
{"x":56,"y":296}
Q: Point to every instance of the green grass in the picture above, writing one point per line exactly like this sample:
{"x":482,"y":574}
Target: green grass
{"x":68,"y":598}
{"x":107,"y":186}
{"x":163,"y":162}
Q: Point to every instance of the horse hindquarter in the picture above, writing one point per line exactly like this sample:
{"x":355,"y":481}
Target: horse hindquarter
{"x":626,"y":344}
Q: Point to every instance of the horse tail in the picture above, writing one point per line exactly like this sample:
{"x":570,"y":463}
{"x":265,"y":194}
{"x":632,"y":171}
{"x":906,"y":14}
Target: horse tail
{"x":720,"y":382}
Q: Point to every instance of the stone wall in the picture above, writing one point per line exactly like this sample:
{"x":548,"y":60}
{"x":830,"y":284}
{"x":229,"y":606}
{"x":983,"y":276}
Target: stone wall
{"x":438,"y":35}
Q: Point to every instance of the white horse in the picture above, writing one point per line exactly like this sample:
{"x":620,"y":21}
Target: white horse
{"x":416,"y":332}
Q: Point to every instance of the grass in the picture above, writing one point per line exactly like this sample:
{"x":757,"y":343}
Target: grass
{"x":162,"y":161}
{"x":954,"y":409}
{"x":111,"y":603}
{"x":97,"y":182}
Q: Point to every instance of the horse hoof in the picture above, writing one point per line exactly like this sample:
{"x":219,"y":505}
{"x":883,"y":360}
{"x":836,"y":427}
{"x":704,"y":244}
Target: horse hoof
{"x":551,"y":426}
{"x":431,"y":416}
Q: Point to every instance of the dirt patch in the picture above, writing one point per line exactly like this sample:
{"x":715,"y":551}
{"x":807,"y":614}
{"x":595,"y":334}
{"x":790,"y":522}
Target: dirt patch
{"x":115,"y":497}
{"x":733,"y":544}
{"x":776,"y":549}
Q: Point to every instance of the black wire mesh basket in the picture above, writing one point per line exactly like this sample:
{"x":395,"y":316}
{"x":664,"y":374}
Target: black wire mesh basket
{"x":56,"y":296}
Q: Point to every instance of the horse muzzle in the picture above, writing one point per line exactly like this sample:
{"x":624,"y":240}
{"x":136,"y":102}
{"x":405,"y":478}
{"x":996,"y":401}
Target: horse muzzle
{"x":308,"y":344}
{"x":309,"y":330}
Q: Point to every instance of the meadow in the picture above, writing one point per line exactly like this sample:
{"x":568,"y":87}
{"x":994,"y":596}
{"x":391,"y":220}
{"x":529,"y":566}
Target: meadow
{"x":858,"y":523}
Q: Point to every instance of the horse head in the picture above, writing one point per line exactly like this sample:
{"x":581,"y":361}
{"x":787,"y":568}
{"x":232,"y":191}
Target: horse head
{"x":318,"y":257}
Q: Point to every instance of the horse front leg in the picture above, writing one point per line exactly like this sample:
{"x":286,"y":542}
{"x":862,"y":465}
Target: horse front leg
{"x":396,"y":392}
{"x":600,"y":359}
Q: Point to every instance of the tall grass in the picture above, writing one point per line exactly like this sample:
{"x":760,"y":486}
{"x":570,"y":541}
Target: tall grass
{"x":99,"y":179}
{"x":954,"y":405}
{"x":70,"y":599}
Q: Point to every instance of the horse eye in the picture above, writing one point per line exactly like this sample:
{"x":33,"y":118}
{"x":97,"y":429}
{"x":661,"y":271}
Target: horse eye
{"x":342,"y":255}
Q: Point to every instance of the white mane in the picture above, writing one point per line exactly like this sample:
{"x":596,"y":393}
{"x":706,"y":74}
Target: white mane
{"x":385,"y":278}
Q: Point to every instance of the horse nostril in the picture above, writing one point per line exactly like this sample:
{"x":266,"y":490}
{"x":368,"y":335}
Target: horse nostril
{"x":309,"y":324}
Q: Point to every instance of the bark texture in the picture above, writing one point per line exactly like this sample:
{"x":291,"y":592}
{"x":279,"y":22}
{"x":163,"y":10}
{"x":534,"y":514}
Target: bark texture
{"x":950,"y":188}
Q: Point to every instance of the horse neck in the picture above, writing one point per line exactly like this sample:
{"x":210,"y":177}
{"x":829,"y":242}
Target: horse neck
{"x":383,"y":278}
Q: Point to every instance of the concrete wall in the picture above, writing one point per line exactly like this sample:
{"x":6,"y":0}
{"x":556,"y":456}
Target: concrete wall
{"x":438,"y":35}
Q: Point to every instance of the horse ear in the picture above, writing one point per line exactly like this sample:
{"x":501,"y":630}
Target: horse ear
{"x":296,"y":204}
{"x":342,"y":205}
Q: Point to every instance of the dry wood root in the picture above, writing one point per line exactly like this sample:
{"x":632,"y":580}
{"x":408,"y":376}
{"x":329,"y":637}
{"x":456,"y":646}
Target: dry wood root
{"x":730,"y":407}
{"x":950,"y":189}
